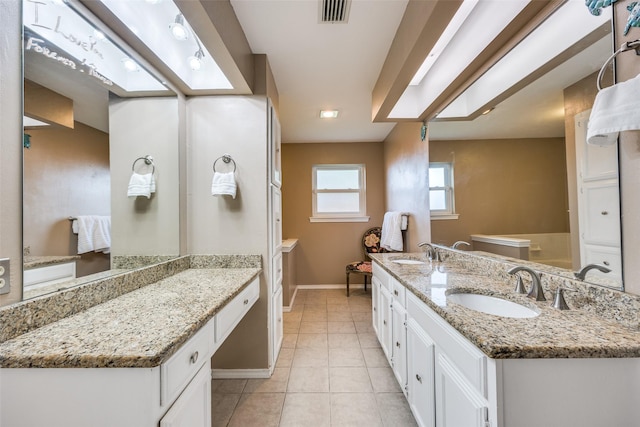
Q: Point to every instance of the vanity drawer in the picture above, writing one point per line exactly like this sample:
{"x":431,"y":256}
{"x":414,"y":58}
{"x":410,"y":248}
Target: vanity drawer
{"x":178,"y":371}
{"x":380,"y":274}
{"x":398,"y":291}
{"x":230,"y":316}
{"x":276,"y":272}
{"x":466,"y":357}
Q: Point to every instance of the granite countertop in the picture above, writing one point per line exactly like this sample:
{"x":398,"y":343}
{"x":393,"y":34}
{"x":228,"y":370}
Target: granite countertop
{"x":142,"y":328}
{"x":552,"y":334}
{"x":32,"y":261}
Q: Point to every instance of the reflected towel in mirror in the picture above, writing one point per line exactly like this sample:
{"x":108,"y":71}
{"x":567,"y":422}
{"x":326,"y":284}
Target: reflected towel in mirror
{"x":141,"y":185}
{"x":616,"y":109}
{"x":223,"y":184}
{"x":94,"y":233}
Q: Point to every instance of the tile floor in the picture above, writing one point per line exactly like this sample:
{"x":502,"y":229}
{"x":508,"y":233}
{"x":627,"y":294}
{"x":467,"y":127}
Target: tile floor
{"x":331,"y":372}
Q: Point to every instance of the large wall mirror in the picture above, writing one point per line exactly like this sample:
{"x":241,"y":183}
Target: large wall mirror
{"x":92,"y":116}
{"x":526,"y":183}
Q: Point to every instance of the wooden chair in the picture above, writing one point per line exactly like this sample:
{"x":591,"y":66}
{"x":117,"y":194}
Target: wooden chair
{"x":370,"y":244}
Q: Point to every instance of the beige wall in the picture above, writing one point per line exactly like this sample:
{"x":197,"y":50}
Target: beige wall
{"x":504,"y":187}
{"x":325,"y":248}
{"x":66,"y":174}
{"x":10,"y":146}
{"x":406,"y":165}
{"x":628,"y":66}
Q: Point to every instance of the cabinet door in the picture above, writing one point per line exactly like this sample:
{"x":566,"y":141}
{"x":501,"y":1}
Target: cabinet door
{"x":193,"y":407}
{"x":276,"y":220}
{"x":275,"y":143}
{"x":399,"y":340}
{"x":457,"y":403}
{"x":375,"y":303}
{"x":420,"y":377}
{"x":277,"y":325}
{"x":385,"y":322}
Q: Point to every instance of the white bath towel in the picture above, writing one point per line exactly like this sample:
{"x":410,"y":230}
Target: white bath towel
{"x":94,"y":233}
{"x":223,"y":184}
{"x":141,"y":185}
{"x":616,"y":109}
{"x":391,"y":236}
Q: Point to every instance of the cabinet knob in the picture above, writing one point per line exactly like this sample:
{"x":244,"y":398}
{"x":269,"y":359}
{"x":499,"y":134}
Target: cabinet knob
{"x":246,"y":302}
{"x":375,"y":309}
{"x":604,"y":213}
{"x":605,"y":263}
{"x":419,"y":378}
{"x":398,"y":344}
{"x":384,"y":322}
{"x":194,"y":358}
{"x":395,"y":292}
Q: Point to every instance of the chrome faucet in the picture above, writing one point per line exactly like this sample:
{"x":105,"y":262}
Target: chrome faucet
{"x":536,"y":286}
{"x":458,"y":243}
{"x":430,"y":251}
{"x":580,"y":275}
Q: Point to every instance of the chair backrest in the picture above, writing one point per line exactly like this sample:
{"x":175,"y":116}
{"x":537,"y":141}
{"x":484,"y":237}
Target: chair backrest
{"x":371,"y":241}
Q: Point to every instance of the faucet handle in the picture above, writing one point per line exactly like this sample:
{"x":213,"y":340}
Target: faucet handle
{"x":520,"y":285}
{"x":558,"y":302}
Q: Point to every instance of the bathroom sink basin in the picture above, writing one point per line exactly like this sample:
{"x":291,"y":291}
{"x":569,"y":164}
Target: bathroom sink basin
{"x":407,"y":261}
{"x":492,"y":305}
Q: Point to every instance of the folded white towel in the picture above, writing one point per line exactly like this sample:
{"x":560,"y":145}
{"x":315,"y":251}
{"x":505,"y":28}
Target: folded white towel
{"x":616,"y":109}
{"x":94,"y":233}
{"x":141,"y":185}
{"x":391,"y":236}
{"x":223,"y":184}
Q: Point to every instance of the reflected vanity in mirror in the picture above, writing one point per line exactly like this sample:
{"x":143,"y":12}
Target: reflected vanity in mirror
{"x":526,"y":183}
{"x":90,"y":110}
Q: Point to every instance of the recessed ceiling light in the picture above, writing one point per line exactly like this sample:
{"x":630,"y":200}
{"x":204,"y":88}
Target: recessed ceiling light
{"x":328,"y":114}
{"x":130,"y":65}
{"x":487,"y":111}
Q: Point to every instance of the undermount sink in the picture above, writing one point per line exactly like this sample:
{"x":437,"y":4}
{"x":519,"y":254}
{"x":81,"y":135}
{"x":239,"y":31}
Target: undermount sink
{"x":407,"y":261}
{"x":492,"y":305}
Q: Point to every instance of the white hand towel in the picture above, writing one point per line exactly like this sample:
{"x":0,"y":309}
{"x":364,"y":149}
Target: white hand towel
{"x":223,"y":184}
{"x":391,"y":236}
{"x":616,"y":109}
{"x":94,"y":233}
{"x":141,"y":185}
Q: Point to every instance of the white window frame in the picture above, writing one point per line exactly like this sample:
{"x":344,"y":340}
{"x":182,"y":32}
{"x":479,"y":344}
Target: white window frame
{"x":360,"y":216}
{"x":450,"y":202}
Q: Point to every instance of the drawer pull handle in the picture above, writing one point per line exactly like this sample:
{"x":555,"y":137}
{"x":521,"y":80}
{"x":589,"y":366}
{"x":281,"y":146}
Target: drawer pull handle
{"x":246,"y":302}
{"x":419,"y":378}
{"x":604,"y":213}
{"x":194,"y":358}
{"x":395,"y":292}
{"x":605,"y":262}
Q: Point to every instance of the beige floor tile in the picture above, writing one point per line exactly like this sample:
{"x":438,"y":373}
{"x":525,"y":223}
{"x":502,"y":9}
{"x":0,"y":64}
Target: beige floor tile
{"x":375,"y":358}
{"x":315,"y":299}
{"x":343,"y":341}
{"x":290,"y":327}
{"x":339,"y":316}
{"x":368,"y":340}
{"x":383,"y":380}
{"x":297,"y":307}
{"x":228,"y":386}
{"x":354,"y":410}
{"x":258,"y":409}
{"x":345,"y":357}
{"x":276,"y":384}
{"x":313,"y":327}
{"x":285,"y":358}
{"x":312,"y":341}
{"x":305,"y":380}
{"x":341,"y":327}
{"x":337,"y":300}
{"x":360,"y":308}
{"x":222,"y":407}
{"x":306,"y":410}
{"x":349,"y":380}
{"x":315,"y":306}
{"x":314,"y":316}
{"x":310,"y":358}
{"x":292,"y":316}
{"x":361,"y":316}
{"x":394,"y":410}
{"x":337,"y":308}
{"x":289,"y":340}
{"x":364,"y":327}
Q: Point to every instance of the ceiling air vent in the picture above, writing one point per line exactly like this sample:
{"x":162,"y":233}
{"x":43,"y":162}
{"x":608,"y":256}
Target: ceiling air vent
{"x":334,"y":11}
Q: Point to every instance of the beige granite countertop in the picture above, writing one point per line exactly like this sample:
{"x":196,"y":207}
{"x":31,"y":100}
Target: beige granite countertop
{"x":32,"y":261}
{"x":142,"y":328}
{"x":552,"y":334}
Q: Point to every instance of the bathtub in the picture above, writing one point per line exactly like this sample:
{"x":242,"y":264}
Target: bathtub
{"x":545,"y":248}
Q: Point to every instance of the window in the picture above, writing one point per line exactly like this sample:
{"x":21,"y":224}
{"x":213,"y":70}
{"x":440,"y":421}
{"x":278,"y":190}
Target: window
{"x":441,"y":198}
{"x":339,"y":193}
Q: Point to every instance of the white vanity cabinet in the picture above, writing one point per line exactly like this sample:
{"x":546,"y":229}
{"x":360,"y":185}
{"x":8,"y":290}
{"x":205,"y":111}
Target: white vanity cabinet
{"x":398,"y":333}
{"x":420,"y":374}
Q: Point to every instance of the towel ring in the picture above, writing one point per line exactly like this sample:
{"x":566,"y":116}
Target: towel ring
{"x":633,"y":45}
{"x":226,"y":159}
{"x":148,"y":160}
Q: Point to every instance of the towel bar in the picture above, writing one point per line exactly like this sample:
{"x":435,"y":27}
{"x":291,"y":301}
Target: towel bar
{"x":148,"y":160}
{"x":226,"y":158}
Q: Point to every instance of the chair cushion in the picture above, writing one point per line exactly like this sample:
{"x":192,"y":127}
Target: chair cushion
{"x":359,"y":267}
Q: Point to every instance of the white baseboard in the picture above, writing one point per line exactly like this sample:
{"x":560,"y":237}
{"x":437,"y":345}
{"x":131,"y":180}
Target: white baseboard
{"x":287,"y":308}
{"x":218,"y":374}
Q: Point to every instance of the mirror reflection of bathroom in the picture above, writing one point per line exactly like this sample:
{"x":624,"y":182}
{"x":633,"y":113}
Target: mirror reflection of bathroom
{"x":526,"y":185}
{"x":73,"y":73}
